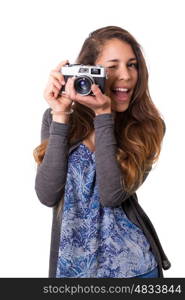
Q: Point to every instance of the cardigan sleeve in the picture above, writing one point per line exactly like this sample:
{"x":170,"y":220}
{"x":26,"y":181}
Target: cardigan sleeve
{"x":51,"y":173}
{"x":108,"y":171}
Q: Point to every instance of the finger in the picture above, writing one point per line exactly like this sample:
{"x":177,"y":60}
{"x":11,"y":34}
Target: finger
{"x":55,"y":92}
{"x":56,"y":83}
{"x":58,"y":76}
{"x":52,"y":91}
{"x":96,"y":91}
{"x":69,"y":89}
{"x":61,"y":64}
{"x":72,"y":89}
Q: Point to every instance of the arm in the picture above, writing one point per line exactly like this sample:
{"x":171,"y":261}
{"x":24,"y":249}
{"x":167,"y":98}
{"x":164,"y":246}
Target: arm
{"x":108,"y":172}
{"x":51,"y":173}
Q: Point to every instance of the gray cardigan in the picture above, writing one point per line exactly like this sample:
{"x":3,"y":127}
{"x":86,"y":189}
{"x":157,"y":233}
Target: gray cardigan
{"x":51,"y":176}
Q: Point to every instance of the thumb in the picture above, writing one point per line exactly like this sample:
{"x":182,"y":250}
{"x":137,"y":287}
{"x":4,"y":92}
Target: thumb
{"x":96,"y":90}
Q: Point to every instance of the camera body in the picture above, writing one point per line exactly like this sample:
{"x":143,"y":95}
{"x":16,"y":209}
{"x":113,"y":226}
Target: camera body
{"x":85,"y":75}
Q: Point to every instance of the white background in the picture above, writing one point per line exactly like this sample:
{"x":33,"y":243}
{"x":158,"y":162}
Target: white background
{"x":35,"y":37}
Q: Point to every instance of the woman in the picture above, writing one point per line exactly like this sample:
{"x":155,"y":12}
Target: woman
{"x":96,"y":151}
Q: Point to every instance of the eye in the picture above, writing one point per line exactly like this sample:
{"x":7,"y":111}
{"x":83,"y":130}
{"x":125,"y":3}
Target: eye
{"x":133,"y":65}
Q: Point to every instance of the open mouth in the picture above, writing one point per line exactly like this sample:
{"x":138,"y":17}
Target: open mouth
{"x":121,"y":94}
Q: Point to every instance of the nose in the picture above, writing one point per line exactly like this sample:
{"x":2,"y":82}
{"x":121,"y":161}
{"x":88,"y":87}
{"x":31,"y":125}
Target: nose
{"x":124,"y":73}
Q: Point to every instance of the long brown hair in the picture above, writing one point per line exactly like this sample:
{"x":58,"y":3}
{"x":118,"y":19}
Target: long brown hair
{"x":139,"y":130}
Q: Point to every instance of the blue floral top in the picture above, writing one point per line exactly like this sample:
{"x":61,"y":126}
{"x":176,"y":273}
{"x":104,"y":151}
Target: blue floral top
{"x":97,"y":241}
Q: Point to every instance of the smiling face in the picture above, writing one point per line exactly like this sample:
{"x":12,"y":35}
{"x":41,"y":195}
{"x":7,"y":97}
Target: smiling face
{"x":121,"y":64}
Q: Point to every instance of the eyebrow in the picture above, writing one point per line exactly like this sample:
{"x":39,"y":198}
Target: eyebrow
{"x":117,"y":60}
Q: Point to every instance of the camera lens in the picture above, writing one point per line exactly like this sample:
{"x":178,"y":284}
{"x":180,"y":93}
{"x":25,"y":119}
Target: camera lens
{"x":83,"y":84}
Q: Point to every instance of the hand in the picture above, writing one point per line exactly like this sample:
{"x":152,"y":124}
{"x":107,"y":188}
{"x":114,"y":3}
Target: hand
{"x":99,"y":103}
{"x":51,"y":93}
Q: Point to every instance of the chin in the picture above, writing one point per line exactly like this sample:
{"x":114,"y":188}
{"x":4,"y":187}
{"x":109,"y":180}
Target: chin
{"x":120,"y":108}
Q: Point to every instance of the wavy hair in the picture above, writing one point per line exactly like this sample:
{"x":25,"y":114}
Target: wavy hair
{"x":139,"y":130}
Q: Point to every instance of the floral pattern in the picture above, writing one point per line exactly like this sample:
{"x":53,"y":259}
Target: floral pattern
{"x":97,"y":241}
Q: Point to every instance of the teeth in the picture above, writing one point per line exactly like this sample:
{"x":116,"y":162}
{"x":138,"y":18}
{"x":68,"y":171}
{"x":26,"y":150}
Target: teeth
{"x":120,"y":89}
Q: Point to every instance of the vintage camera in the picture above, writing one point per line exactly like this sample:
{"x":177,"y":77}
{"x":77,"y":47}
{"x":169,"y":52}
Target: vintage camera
{"x":85,"y":75}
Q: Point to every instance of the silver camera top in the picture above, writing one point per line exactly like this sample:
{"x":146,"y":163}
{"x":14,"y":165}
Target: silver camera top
{"x":81,"y":70}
